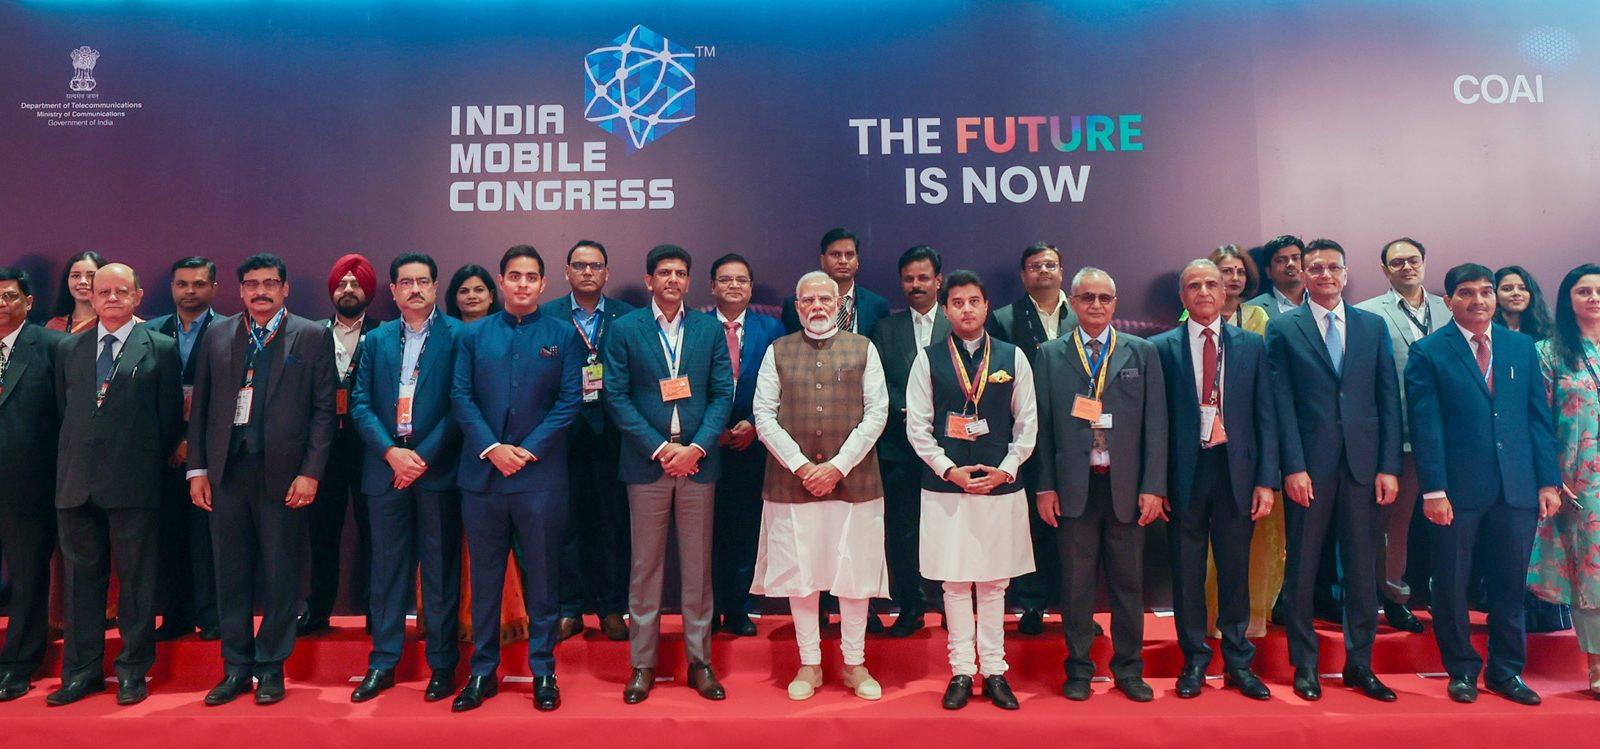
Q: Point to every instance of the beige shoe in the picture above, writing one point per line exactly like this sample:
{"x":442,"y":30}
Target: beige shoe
{"x":1594,"y":676}
{"x":865,"y":687}
{"x":806,"y":682}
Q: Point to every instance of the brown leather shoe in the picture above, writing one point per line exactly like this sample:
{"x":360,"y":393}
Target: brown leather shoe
{"x":568,"y":627}
{"x":702,"y":680}
{"x":615,"y":629}
{"x":639,"y":685}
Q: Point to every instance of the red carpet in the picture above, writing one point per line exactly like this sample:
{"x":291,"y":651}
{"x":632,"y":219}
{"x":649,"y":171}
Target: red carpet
{"x":592,"y":670}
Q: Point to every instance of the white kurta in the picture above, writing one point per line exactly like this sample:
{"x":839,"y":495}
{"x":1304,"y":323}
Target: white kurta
{"x":973,"y":537}
{"x":833,"y":546}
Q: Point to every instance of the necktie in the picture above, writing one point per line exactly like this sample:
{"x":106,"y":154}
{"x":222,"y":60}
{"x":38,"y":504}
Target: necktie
{"x":103,"y":365}
{"x":5,"y":358}
{"x":1335,"y":343}
{"x":731,"y":330}
{"x":1481,"y":341}
{"x":1208,"y":368}
{"x":844,"y":313}
{"x":1097,"y":436}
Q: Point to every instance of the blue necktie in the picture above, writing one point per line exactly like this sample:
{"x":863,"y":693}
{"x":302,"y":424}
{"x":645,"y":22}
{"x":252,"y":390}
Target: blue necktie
{"x":103,"y":365}
{"x":1335,"y":344}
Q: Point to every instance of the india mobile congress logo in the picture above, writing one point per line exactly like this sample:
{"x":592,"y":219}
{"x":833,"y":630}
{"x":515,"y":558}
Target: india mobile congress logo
{"x":83,"y":61}
{"x":639,"y":88}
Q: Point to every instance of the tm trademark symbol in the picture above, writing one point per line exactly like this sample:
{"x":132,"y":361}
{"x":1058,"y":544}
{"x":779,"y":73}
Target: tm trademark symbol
{"x":702,"y":50}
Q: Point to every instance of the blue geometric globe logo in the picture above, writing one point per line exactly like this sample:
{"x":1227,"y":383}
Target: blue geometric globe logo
{"x":639,"y":88}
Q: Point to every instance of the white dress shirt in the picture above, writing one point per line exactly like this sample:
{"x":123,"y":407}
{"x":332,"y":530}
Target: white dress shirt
{"x":10,"y":342}
{"x":1051,"y":320}
{"x":1339,"y":314}
{"x":875,"y":413}
{"x":922,"y":325}
{"x":345,"y":340}
{"x":1197,"y":350}
{"x":116,"y":346}
{"x":920,"y":417}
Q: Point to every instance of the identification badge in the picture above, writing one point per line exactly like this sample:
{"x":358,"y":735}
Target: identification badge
{"x":241,"y":407}
{"x":341,"y":401}
{"x":593,"y":382}
{"x":1086,"y":408}
{"x":188,"y":400}
{"x":674,"y":389}
{"x":402,"y":406}
{"x":1104,"y":422}
{"x":1211,"y":431}
{"x":959,"y":427}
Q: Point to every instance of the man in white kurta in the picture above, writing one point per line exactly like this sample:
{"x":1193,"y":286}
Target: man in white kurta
{"x":970,"y":416}
{"x":820,"y":405}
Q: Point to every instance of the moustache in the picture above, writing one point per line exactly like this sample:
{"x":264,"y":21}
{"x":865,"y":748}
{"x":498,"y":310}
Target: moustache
{"x":262,"y":299}
{"x":919,"y":292}
{"x":414,"y":296}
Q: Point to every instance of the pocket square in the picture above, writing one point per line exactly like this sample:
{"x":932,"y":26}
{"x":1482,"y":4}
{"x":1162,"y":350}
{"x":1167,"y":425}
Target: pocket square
{"x":549,"y":352}
{"x":1128,"y":374}
{"x":1000,"y":377}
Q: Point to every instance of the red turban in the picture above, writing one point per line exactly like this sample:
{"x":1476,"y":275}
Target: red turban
{"x":366,"y":277}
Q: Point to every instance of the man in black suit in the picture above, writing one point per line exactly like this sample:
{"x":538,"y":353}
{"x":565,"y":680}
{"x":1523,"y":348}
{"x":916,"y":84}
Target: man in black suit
{"x":188,"y":585}
{"x":121,"y":405}
{"x":260,"y":426}
{"x":1028,"y":323}
{"x":899,"y":337}
{"x":29,"y":424}
{"x":352,"y":284}
{"x":594,"y":550}
{"x":1338,"y":404}
{"x":1222,"y":467}
{"x":859,"y":308}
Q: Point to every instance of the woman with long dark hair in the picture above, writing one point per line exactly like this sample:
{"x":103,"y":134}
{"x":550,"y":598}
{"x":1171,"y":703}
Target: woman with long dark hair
{"x":1566,"y":552}
{"x":1521,"y":305}
{"x":472,"y":294}
{"x":74,"y":309}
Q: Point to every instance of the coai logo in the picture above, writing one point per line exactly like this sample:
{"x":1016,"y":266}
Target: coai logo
{"x":83,"y":62}
{"x":639,"y":88}
{"x":1549,"y":50}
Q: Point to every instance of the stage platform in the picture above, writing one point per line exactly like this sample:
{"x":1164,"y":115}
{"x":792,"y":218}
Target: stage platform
{"x":592,"y":670}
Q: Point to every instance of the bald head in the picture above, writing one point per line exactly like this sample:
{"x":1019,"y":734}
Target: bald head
{"x":116,"y":295}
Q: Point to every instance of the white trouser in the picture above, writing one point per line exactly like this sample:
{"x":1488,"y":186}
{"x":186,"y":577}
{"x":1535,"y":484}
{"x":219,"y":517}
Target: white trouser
{"x":808,"y":631}
{"x":990,"y":626}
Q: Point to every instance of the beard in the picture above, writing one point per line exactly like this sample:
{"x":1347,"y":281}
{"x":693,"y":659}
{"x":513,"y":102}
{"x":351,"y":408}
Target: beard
{"x":820,"y":324}
{"x":350,"y":305}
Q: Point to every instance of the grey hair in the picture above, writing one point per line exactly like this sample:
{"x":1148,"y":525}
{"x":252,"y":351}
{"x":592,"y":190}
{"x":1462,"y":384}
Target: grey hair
{"x":815,"y":275}
{"x":1089,"y":271}
{"x":1201,"y":262}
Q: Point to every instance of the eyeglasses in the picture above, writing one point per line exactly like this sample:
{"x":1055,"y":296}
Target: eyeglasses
{"x":1090,"y":299}
{"x":11,"y":297}
{"x":734,"y":280}
{"x":271,"y":284}
{"x":414,"y":283}
{"x":579,"y":266}
{"x":1044,"y":266}
{"x":1401,"y":262}
{"x":1331,"y":269}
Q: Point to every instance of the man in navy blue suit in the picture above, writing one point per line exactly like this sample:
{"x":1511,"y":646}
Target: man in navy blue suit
{"x":1222,"y":466}
{"x":594,"y":556}
{"x":400,"y":404}
{"x":737,"y":526}
{"x":514,"y":392}
{"x":1485,"y":450}
{"x":669,"y":387}
{"x":859,"y":308}
{"x":1338,"y":403}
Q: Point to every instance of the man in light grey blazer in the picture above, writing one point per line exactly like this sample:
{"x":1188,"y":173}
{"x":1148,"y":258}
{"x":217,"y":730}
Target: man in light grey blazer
{"x":1410,"y":312}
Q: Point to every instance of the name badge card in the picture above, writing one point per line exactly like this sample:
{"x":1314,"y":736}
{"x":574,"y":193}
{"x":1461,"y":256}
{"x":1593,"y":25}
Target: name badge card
{"x":962,"y":427}
{"x":402,"y":414}
{"x":1104,"y":422}
{"x":1211,"y":431}
{"x":341,"y":401}
{"x":1086,"y":408}
{"x":674,"y":389}
{"x":593,"y":382}
{"x":241,"y":407}
{"x":188,"y":400}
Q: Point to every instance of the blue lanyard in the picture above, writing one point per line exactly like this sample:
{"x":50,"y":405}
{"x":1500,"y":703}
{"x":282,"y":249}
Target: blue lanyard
{"x":672,"y":351}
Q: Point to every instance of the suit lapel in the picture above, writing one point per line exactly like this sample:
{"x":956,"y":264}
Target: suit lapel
{"x":288,"y":335}
{"x":1119,"y":356}
{"x":1457,"y":342}
{"x":1401,"y":322}
{"x":20,"y":358}
{"x":133,"y":352}
{"x":1307,"y":321}
{"x":440,"y":342}
{"x":941,"y":329}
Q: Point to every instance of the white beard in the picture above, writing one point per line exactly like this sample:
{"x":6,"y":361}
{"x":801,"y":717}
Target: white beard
{"x":820,"y":325}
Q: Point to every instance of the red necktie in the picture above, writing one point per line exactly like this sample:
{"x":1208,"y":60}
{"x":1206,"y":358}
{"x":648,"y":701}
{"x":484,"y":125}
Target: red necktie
{"x":1208,"y":367}
{"x":731,"y":330}
{"x":1482,"y":343}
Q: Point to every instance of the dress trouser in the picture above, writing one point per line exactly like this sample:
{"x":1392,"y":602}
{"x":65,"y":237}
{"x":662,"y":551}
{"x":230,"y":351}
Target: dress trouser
{"x":737,"y":528}
{"x":1346,"y":508}
{"x":1090,"y":542}
{"x":1212,"y":517}
{"x":1502,"y":537}
{"x":1037,"y":590}
{"x":92,"y":538}
{"x":654,"y":507}
{"x":27,"y":540}
{"x":1394,"y":522}
{"x":594,"y":552}
{"x":339,"y":489}
{"x":986,"y":627}
{"x":537,"y":520}
{"x":414,"y":527}
{"x":257,"y":539}
{"x":902,"y":520}
{"x":187,"y":590}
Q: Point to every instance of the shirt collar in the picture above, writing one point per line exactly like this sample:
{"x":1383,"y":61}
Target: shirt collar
{"x":577,"y":309}
{"x":199,"y":322}
{"x":1487,"y":332}
{"x":121,"y":334}
{"x":427,"y":324}
{"x":1061,"y":298}
{"x":918,"y":317}
{"x":737,"y":320}
{"x":833,"y":331}
{"x":1402,"y":300}
{"x":1104,"y":338}
{"x":11,"y":340}
{"x":339,"y":324}
{"x":1215,"y":327}
{"x":1322,"y":312}
{"x":661,"y":317}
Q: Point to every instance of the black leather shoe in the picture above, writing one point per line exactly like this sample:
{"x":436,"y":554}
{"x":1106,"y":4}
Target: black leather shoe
{"x":546,"y":696}
{"x":1513,"y":689}
{"x":639,"y":685}
{"x":739,"y":625}
{"x":13,"y":686}
{"x":998,"y":690}
{"x":1246,"y":681}
{"x":75,"y":690}
{"x":1076,"y":690}
{"x":478,"y":689}
{"x":1031,"y":622}
{"x":1307,"y":685}
{"x":906,"y":624}
{"x":615,"y":629}
{"x":704,"y":681}
{"x":173,"y":630}
{"x":1400,"y":617}
{"x":957,"y":693}
{"x":210,"y":634}
{"x":875,"y":624}
{"x":1136,"y":689}
{"x":1463,"y":689}
{"x":227,"y":690}
{"x":308,"y":625}
{"x":377,"y":680}
{"x":1190,"y":681}
{"x":1362,"y":678}
{"x":269,"y":688}
{"x":131,"y":691}
{"x":568,"y":627}
{"x":441,"y":685}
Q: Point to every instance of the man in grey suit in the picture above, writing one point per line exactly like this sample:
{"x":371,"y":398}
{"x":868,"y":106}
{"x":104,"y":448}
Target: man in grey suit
{"x":1410,"y":313}
{"x":260,"y":427}
{"x":1102,"y":476}
{"x":1283,"y":257}
{"x":899,"y":337}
